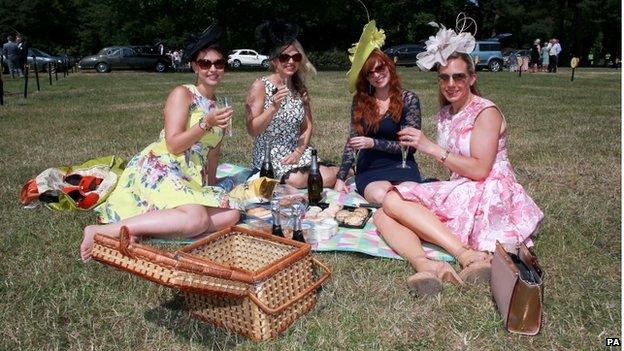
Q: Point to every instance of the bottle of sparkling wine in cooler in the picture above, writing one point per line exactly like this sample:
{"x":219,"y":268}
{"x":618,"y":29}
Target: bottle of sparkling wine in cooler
{"x":297,"y":213}
{"x":267,"y":167}
{"x":315,"y":182}
{"x":277,"y":222}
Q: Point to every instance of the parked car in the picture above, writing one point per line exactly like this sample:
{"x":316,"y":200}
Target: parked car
{"x":489,"y":55}
{"x":44,"y":60}
{"x":516,"y":53}
{"x":247,"y":57}
{"x":405,"y":55}
{"x":126,"y":57}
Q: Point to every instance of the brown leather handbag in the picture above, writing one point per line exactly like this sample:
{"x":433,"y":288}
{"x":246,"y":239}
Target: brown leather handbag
{"x":517,"y":288}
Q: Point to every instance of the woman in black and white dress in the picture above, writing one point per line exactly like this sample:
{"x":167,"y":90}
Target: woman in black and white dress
{"x":278,"y":108}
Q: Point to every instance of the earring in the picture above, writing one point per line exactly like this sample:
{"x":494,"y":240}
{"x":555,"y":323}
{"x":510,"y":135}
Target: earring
{"x":370,"y":89}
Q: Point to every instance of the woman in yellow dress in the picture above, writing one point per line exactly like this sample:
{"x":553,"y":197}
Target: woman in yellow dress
{"x":167,"y":189}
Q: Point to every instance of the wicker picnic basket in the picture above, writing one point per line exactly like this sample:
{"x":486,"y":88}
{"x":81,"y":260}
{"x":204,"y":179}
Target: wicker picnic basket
{"x":246,"y":281}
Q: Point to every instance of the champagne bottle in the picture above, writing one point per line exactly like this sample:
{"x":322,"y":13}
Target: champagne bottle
{"x":267,"y":167}
{"x":298,"y":209}
{"x":315,"y":181}
{"x":277,"y":223}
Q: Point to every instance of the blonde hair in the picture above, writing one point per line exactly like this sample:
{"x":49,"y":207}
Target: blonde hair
{"x":305,"y":68}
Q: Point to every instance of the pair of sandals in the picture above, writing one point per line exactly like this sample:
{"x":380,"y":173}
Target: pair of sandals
{"x":476,"y":269}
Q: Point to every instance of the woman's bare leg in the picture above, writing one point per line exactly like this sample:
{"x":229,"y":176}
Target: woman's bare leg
{"x":376,"y":191}
{"x":182,"y":221}
{"x":428,"y":227}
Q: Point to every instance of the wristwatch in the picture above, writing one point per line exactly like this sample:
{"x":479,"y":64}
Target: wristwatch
{"x":202,"y":124}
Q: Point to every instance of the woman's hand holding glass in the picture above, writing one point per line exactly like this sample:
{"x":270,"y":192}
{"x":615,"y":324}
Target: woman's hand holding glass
{"x":359,"y":143}
{"x":223,"y":102}
{"x":280,"y":96}
{"x":219,"y":117}
{"x":415,"y":138}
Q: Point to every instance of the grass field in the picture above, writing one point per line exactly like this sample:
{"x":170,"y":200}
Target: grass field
{"x":564,"y":141}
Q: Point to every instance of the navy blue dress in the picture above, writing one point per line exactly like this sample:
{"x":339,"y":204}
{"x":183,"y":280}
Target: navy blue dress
{"x":380,"y":162}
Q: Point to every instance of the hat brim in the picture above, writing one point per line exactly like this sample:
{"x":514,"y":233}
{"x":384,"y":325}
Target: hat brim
{"x":364,"y":48}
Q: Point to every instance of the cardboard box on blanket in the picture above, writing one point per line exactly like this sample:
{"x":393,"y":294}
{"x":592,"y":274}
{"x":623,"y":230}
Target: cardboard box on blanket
{"x":246,"y":281}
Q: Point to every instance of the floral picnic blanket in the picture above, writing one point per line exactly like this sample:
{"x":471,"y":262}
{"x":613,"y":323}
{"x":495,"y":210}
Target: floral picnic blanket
{"x":366,"y":240}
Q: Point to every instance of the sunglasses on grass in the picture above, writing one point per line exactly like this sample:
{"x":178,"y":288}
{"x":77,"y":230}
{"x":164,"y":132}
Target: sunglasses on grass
{"x":283,"y":58}
{"x":206,"y":64}
{"x":457,"y":77}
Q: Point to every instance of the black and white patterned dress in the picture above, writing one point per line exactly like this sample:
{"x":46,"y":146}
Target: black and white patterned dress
{"x":282,"y":133}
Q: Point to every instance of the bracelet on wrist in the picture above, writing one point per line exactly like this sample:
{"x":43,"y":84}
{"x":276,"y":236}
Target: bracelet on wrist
{"x":444,"y":156}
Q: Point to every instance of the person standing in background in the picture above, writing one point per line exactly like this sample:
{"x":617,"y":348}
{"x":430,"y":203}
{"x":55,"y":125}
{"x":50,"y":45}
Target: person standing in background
{"x":23,"y":46}
{"x":10,"y":52}
{"x":554,"y":49}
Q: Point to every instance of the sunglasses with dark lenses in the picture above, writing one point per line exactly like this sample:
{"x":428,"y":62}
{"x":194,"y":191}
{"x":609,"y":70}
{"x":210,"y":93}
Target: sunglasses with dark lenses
{"x":457,"y":77}
{"x":378,"y":69}
{"x":283,"y":58}
{"x":206,"y":64}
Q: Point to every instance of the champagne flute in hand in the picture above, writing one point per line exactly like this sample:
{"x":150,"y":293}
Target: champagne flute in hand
{"x":222,"y":102}
{"x":404,"y":151}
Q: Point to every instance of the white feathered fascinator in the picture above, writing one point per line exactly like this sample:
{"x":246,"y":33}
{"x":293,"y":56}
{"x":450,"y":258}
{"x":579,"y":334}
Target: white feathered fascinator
{"x":447,"y":41}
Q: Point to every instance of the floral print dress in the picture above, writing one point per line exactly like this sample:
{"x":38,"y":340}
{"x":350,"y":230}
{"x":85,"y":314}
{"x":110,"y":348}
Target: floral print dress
{"x":156,"y":179}
{"x":478,"y":212}
{"x":282,"y":134}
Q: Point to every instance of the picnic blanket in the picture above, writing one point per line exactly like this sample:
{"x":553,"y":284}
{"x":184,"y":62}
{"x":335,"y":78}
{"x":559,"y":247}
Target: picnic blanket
{"x":366,"y":240}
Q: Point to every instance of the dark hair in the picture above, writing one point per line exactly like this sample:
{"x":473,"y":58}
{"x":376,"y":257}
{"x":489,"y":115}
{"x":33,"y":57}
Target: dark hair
{"x":471,"y":71}
{"x":216,"y":47}
{"x":365,"y":107}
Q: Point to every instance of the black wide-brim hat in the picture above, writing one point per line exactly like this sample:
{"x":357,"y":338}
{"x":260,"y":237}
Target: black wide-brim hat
{"x":201,"y":41}
{"x":274,"y":34}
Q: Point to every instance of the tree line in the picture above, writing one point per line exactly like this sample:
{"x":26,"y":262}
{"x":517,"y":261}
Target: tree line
{"x":82,"y":27}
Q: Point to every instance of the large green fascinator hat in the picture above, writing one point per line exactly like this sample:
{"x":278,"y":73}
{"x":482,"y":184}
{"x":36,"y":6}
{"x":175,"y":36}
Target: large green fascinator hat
{"x":371,"y":39}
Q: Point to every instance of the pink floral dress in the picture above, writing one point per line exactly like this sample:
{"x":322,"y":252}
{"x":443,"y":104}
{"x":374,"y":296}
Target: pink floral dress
{"x":478,"y":212}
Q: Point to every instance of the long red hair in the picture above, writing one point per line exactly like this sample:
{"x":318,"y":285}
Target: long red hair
{"x":365,"y":107}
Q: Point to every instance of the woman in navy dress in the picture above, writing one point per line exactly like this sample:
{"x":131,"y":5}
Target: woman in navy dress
{"x":380,"y":109}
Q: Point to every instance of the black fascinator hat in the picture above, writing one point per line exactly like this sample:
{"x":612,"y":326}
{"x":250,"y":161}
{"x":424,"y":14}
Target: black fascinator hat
{"x":201,"y":41}
{"x":272,"y":35}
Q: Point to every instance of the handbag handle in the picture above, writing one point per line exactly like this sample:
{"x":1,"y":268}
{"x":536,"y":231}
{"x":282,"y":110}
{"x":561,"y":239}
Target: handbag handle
{"x":299,"y":296}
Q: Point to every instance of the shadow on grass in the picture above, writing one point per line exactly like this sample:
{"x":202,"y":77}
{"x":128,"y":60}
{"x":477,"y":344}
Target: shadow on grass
{"x":174,"y":316}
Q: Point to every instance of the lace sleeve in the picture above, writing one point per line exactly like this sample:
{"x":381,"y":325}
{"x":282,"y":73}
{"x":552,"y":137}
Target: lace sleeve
{"x":410,"y":117}
{"x":348,"y":154}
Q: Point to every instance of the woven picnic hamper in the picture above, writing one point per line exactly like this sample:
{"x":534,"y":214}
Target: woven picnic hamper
{"x":246,"y":281}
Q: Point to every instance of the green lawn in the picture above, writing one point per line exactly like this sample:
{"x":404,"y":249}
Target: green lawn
{"x":564,"y":141}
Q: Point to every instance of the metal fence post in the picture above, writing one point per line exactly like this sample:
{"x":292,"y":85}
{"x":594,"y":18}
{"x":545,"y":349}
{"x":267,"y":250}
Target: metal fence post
{"x":36,"y":72}
{"x":25,"y":81}
{"x":50,"y":72}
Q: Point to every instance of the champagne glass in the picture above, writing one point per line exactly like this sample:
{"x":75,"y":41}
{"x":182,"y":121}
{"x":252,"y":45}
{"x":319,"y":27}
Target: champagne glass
{"x":404,"y":151}
{"x":222,"y":102}
{"x":357,"y":157}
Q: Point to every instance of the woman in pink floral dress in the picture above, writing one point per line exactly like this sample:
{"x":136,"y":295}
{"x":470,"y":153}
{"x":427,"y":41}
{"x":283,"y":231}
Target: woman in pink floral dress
{"x":480,"y":204}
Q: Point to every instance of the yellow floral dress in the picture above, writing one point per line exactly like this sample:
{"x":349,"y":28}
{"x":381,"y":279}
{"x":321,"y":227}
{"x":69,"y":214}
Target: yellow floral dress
{"x":156,"y":179}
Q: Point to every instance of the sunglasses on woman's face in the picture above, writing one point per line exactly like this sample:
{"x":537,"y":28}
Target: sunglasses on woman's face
{"x":283,"y":58}
{"x":206,"y":64}
{"x":378,"y":70}
{"x":457,"y":77}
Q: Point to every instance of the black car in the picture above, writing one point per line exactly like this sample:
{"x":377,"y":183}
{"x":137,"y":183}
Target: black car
{"x":405,"y":55}
{"x":126,"y":57}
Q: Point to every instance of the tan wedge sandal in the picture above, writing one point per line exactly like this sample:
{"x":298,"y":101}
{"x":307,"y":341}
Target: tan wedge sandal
{"x":429,"y":282}
{"x":476,"y":264}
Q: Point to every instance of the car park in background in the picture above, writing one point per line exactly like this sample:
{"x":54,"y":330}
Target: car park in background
{"x":488,"y":53}
{"x":44,"y":60}
{"x":126,"y":57}
{"x":405,"y":55}
{"x":247,"y":57}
